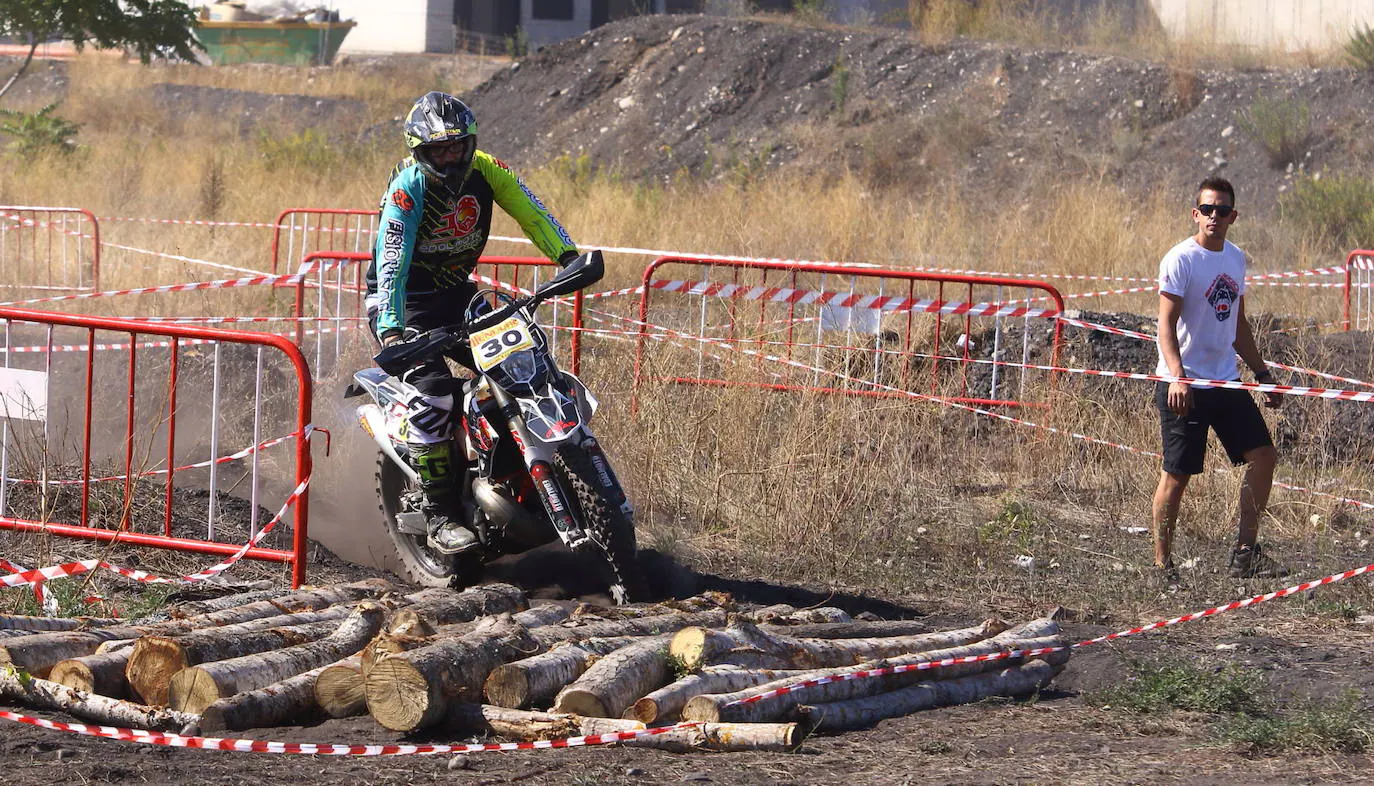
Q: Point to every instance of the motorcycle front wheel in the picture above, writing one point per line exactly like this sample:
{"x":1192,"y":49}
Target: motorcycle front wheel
{"x":606,"y":522}
{"x":415,"y":560}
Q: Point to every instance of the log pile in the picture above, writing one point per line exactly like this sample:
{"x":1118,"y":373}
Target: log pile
{"x":481,"y":661}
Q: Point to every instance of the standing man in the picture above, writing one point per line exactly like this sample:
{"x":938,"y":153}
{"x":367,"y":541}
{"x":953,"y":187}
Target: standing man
{"x":1202,"y":326}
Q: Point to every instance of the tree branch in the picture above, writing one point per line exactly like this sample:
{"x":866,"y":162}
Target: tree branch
{"x":33,"y":47}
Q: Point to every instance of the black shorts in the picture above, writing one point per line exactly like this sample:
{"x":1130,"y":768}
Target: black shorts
{"x":1232,"y":414}
{"x":434,"y":378}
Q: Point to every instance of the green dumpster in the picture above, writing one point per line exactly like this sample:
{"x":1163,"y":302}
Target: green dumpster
{"x":285,"y":43}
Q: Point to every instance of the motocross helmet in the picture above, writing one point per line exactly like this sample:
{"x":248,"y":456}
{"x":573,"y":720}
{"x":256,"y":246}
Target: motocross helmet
{"x":440,"y":119}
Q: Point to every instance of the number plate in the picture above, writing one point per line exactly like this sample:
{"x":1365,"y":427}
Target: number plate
{"x":496,"y":343}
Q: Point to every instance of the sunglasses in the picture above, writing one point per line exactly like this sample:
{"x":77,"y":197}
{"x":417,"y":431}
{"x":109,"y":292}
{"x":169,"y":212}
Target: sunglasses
{"x":1222,"y":211}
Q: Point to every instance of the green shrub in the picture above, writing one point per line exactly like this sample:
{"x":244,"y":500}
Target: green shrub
{"x":1336,"y":211}
{"x":1282,"y":127}
{"x":1360,"y":47}
{"x":39,"y":132}
{"x":839,"y":89}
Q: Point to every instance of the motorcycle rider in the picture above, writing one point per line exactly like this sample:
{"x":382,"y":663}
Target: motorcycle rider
{"x":434,"y":222}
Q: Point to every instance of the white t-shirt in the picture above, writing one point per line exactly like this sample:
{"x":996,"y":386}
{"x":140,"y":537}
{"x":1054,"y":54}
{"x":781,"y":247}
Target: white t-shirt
{"x":1211,"y":284}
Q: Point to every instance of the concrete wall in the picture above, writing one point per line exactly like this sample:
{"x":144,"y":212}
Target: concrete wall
{"x":397,"y":25}
{"x":1291,"y":25}
{"x":543,"y":32}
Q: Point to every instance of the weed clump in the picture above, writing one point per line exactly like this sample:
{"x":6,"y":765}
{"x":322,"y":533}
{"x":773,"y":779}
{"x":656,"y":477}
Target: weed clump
{"x":1360,"y":47}
{"x":1282,"y":127}
{"x":1161,"y":687}
{"x":1338,"y":727}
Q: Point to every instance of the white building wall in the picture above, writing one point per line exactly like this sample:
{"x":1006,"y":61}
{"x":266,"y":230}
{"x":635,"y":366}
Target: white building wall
{"x":543,"y":32}
{"x":390,"y":25}
{"x":1292,"y":25}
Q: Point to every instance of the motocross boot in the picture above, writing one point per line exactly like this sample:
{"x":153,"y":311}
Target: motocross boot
{"x":442,"y":505}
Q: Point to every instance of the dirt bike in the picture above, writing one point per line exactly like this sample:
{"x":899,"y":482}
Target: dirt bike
{"x":535,"y":471}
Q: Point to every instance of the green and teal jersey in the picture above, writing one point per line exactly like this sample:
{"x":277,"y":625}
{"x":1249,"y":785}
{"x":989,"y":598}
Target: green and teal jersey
{"x":430,"y":236}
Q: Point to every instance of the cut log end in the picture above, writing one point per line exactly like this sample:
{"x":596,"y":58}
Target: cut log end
{"x":645,"y":710}
{"x":397,"y":695}
{"x":192,"y":690}
{"x":155,"y":660}
{"x":508,"y":686}
{"x":581,"y":702}
{"x":701,"y":708}
{"x":689,"y":646}
{"x":74,"y":674}
{"x":339,"y":691}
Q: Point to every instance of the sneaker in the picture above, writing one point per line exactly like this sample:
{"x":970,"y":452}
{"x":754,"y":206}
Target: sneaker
{"x":1250,"y":562}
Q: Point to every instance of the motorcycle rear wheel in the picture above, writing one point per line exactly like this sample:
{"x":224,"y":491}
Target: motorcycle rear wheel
{"x":606,"y":521}
{"x":415,"y":561}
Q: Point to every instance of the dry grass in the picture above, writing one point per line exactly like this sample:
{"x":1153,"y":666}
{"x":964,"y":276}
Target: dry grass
{"x":904,"y":495}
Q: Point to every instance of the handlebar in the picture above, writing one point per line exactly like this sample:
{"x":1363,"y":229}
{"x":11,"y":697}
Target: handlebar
{"x":402,"y":356}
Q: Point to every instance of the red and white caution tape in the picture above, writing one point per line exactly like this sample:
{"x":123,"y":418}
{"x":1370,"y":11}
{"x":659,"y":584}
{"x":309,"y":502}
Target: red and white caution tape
{"x":662,"y":333}
{"x":83,"y":566}
{"x":248,"y":451}
{"x":46,"y":601}
{"x":1037,"y":652}
{"x":330,"y":749}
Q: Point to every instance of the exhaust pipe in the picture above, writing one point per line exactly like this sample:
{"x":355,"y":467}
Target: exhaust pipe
{"x":370,"y":416}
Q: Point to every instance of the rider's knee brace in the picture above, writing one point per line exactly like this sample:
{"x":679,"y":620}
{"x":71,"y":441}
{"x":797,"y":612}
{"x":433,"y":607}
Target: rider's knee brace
{"x":429,"y":419}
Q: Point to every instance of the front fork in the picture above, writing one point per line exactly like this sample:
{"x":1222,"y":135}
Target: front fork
{"x":552,"y":495}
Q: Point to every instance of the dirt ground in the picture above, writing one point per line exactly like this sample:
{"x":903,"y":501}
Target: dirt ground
{"x":1061,"y":737}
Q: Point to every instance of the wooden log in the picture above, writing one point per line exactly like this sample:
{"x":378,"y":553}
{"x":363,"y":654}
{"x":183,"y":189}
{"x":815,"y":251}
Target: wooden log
{"x":612,"y":683}
{"x":726,"y":738}
{"x":403,"y":637}
{"x":412,"y":690}
{"x":751,"y":647}
{"x":537,"y":679}
{"x":290,"y":701}
{"x":104,"y":671}
{"x":339,"y":689}
{"x":666,"y":703}
{"x":114,"y":645}
{"x":860,"y":629}
{"x":37,"y":654}
{"x":641,"y":626}
{"x":156,"y":659}
{"x":1015,"y":681}
{"x":195,"y":608}
{"x":101,"y":673}
{"x":31,"y":691}
{"x":195,"y":688}
{"x":785,"y":615}
{"x":442,"y":607}
{"x":524,"y":725}
{"x":301,"y":600}
{"x":26,"y":623}
{"x":723,"y":706}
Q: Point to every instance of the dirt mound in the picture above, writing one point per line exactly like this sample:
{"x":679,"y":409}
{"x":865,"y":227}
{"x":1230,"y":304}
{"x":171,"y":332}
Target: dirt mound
{"x":653,"y":96}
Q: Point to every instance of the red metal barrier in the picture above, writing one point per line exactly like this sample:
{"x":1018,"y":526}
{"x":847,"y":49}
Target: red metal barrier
{"x":800,"y":312}
{"x":1359,"y":277}
{"x":325,"y":274}
{"x":49,"y":248}
{"x":321,"y":229}
{"x":177,"y":367}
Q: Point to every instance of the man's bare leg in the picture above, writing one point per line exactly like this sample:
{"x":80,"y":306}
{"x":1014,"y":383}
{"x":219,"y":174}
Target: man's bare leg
{"x":1167,"y":497}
